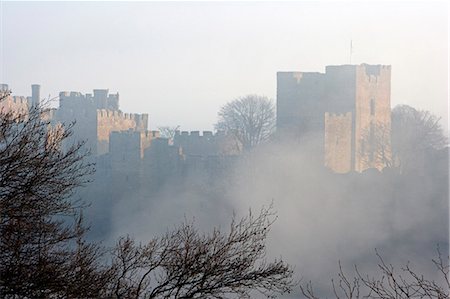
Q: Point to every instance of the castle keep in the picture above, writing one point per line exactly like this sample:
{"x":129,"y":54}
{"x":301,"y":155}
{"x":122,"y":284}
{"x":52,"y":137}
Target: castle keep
{"x":346,"y":110}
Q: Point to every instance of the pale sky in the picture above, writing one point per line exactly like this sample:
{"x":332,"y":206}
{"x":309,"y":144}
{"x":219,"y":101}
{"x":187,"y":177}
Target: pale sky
{"x":180,"y":61}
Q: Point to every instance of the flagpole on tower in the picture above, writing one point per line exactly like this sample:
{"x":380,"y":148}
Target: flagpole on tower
{"x":351,"y":50}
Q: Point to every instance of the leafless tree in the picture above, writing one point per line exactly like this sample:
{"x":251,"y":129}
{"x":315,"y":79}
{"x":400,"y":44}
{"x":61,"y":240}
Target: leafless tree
{"x":251,"y":119}
{"x":404,"y":144}
{"x":168,"y":132}
{"x":390,"y":284}
{"x":344,"y":288}
{"x":185,"y":263}
{"x":42,"y":249}
{"x":375,"y":149}
{"x":414,"y":133}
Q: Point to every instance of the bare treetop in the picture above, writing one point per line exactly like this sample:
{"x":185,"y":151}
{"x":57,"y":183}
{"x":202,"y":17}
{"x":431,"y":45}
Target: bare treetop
{"x":185,"y":263}
{"x":389,"y":282}
{"x":251,"y":119}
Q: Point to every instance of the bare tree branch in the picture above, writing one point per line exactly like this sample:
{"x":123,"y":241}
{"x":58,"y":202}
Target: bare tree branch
{"x":185,"y":263}
{"x":250,"y":119}
{"x":389,"y":284}
{"x":42,"y":250}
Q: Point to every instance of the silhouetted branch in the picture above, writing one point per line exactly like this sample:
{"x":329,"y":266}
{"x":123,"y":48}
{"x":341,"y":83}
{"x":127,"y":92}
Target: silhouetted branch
{"x":185,"y":263}
{"x":389,"y":284}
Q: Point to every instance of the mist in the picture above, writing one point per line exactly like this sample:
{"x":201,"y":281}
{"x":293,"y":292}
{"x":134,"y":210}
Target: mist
{"x":177,"y":65}
{"x":322,"y":218}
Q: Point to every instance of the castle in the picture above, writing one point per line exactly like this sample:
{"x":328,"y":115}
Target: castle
{"x":97,"y":115}
{"x":346,"y":110}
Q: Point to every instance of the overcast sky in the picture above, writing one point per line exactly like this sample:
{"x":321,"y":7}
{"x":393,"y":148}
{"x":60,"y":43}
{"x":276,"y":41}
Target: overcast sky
{"x":180,"y":61}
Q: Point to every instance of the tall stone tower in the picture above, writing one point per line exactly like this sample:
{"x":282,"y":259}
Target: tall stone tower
{"x":347,"y":109}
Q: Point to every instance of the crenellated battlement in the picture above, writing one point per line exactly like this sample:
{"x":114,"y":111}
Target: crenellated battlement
{"x":109,"y":121}
{"x":118,"y":114}
{"x":206,"y":143}
{"x":141,"y":120}
{"x":330,"y":115}
{"x":299,"y":77}
{"x":129,"y":132}
{"x":100,"y":99}
{"x":18,"y":104}
{"x":195,"y":134}
{"x":375,"y":74}
{"x":99,"y":115}
{"x":152,"y":134}
{"x":20,"y":100}
{"x":374,"y":70}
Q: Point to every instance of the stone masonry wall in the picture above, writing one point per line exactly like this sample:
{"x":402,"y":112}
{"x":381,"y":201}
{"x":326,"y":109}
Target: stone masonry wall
{"x":372,"y":116}
{"x":338,"y":142}
{"x":109,"y":121}
{"x":18,"y":104}
{"x":208,"y":144}
{"x":96,"y":117}
{"x":300,"y":104}
{"x":14,"y":104}
{"x":361,"y":91}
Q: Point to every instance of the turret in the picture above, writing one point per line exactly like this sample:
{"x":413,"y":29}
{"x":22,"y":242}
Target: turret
{"x":35,"y":94}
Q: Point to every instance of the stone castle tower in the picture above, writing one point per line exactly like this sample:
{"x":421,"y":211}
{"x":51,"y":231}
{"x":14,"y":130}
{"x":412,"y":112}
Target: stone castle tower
{"x":346,"y":109}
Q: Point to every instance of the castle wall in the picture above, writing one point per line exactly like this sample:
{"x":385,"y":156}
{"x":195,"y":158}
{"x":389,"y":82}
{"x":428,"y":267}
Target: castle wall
{"x":125,"y":159}
{"x":146,"y":140}
{"x":227,"y":145}
{"x":22,"y":104}
{"x":18,"y":104}
{"x":74,"y":107}
{"x":96,"y":117}
{"x":300,"y":104}
{"x":128,"y":147}
{"x":15,"y":104}
{"x":338,"y":142}
{"x":340,"y":86}
{"x":108,"y":121}
{"x":162,"y":163}
{"x":125,"y":147}
{"x":208,"y":144}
